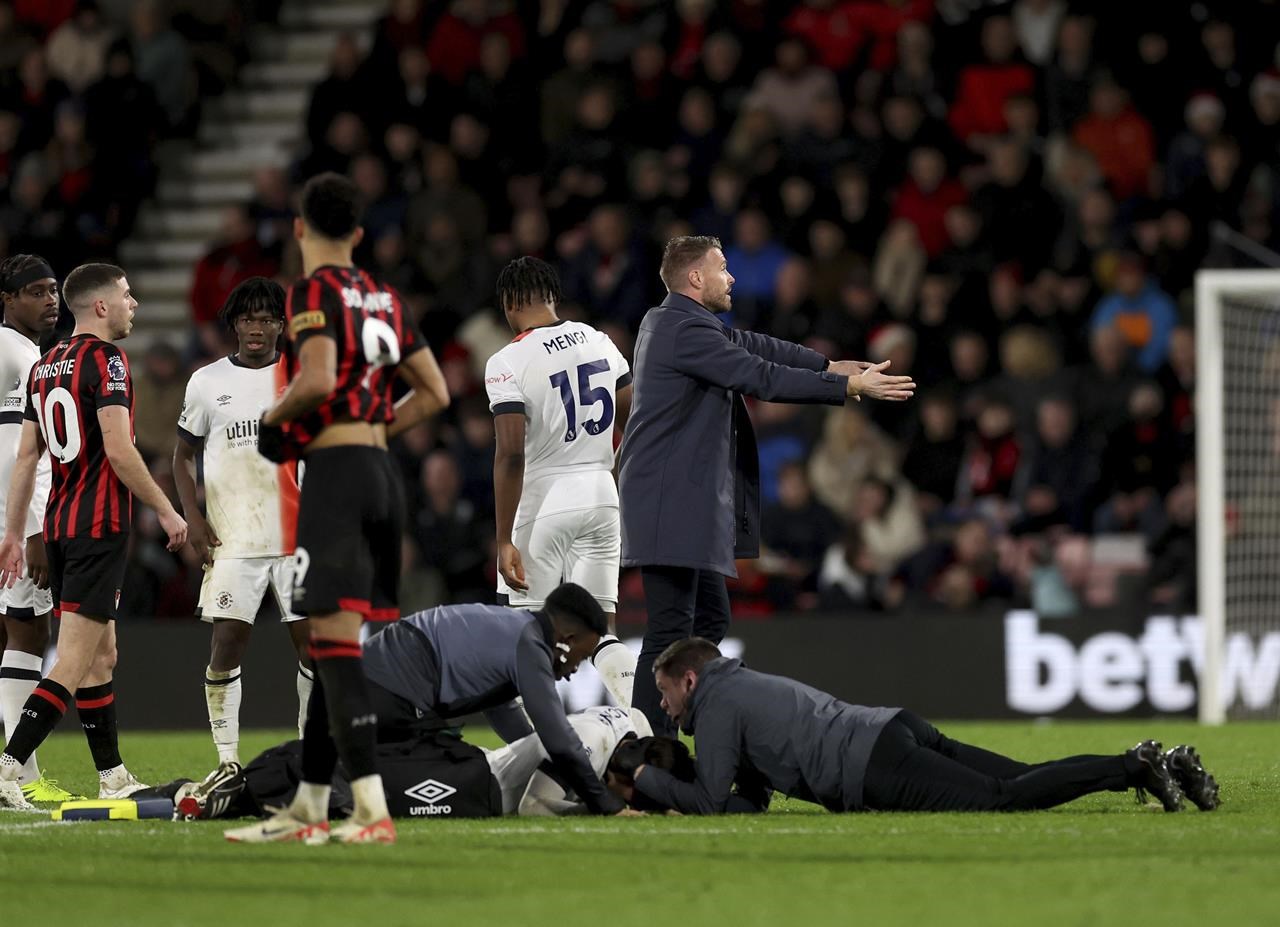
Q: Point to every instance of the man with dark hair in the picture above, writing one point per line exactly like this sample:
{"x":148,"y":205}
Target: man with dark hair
{"x":29,"y":291}
{"x":756,"y":734}
{"x":80,"y":406}
{"x":246,"y":543}
{"x":348,"y":338}
{"x":690,"y":474}
{"x":456,"y":660}
{"x":557,"y":392}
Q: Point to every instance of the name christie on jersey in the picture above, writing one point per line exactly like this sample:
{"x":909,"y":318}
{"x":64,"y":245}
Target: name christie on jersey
{"x":56,"y":369}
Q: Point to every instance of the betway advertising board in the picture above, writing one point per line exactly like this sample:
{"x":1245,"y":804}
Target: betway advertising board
{"x":1004,"y":664}
{"x":985,"y":664}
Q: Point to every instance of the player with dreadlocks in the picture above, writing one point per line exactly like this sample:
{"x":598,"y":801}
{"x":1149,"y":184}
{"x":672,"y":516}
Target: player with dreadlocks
{"x":30,"y":303}
{"x":557,"y":392}
{"x":245,"y":538}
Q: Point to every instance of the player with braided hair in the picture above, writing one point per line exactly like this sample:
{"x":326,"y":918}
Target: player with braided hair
{"x":29,"y":291}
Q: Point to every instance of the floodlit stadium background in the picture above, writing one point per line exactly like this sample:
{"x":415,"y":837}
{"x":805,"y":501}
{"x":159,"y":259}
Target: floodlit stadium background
{"x":1009,"y":200}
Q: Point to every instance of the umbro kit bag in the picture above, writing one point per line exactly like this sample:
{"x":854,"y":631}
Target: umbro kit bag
{"x":438,"y":775}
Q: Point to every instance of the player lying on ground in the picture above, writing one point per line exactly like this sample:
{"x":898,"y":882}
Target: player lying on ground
{"x":557,"y":393}
{"x":247,"y":541}
{"x":30,"y":294}
{"x":456,"y":660}
{"x":614,"y":738}
{"x":755,"y":734}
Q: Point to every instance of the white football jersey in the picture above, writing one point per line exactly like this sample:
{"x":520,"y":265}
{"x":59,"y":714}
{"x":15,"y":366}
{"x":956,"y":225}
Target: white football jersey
{"x":252,"y":504}
{"x":564,"y":378}
{"x":18,"y":355}
{"x":602,"y":729}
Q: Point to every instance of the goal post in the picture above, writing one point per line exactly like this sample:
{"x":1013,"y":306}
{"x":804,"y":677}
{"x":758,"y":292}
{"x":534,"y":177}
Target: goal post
{"x":1238,"y":491}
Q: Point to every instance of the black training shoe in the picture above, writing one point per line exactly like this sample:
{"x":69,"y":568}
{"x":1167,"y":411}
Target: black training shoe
{"x":1187,"y":770}
{"x":1155,"y":777}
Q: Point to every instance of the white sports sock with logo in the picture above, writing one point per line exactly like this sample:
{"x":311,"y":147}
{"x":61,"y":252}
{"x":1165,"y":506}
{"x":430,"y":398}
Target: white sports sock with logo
{"x":616,"y":665}
{"x":306,"y":681}
{"x":19,"y":673}
{"x":222,"y":696}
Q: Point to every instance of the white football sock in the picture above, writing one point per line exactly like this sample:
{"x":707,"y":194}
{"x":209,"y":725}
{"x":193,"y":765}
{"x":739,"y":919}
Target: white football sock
{"x":306,"y":680}
{"x":371,"y":801}
{"x":19,"y":673}
{"x":222,"y":696}
{"x":616,"y":665}
{"x":311,"y":803}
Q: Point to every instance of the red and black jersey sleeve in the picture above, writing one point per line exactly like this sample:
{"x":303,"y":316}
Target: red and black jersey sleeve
{"x":109,"y":377}
{"x":312,"y":308}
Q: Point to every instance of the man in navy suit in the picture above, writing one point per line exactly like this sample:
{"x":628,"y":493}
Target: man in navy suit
{"x":690,"y":475}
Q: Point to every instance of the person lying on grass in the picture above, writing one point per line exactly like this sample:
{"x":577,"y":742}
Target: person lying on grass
{"x":756,"y":734}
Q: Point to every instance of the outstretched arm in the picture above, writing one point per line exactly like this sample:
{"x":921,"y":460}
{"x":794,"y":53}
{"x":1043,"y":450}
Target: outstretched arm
{"x":778,"y":351}
{"x":718,"y":757}
{"x":562,"y":743}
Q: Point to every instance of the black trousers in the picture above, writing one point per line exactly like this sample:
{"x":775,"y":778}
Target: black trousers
{"x":681,"y":602}
{"x":914,"y":767}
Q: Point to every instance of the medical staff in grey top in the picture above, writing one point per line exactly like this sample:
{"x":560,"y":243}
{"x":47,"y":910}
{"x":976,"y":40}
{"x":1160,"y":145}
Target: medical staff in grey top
{"x":755,"y":734}
{"x":456,"y":660}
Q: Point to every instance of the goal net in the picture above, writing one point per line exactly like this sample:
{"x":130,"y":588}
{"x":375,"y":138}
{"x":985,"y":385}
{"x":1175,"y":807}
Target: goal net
{"x":1238,"y":484}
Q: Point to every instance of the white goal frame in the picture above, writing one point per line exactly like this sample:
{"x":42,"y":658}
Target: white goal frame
{"x":1211,"y":513}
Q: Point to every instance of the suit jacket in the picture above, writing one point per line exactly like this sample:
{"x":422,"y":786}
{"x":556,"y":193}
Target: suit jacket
{"x":690,"y":476}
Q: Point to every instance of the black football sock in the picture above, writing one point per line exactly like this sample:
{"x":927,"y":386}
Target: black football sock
{"x":352,"y":721}
{"x":319,"y":755}
{"x":97,"y":708}
{"x":43,"y":710}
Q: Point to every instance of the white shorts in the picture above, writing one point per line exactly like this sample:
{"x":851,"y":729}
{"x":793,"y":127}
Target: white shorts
{"x":235,"y":588}
{"x":25,"y":600}
{"x":583,"y":547}
{"x":513,"y":767}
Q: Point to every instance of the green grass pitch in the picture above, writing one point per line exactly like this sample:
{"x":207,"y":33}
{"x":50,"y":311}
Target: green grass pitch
{"x":1101,"y":860}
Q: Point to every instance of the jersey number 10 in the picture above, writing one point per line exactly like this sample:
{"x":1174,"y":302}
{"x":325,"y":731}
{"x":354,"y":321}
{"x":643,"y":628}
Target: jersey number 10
{"x":66,"y":448}
{"x":589,"y":395}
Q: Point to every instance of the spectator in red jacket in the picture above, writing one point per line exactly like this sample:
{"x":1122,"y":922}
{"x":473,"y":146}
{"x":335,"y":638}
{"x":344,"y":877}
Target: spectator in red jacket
{"x":926,"y":195}
{"x":1120,"y":140}
{"x":839,"y":30}
{"x":454,"y":46}
{"x":236,"y":257}
{"x":991,"y":464}
{"x":981,"y":90}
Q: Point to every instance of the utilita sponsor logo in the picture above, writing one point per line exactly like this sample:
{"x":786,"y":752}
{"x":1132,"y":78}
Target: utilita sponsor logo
{"x":1112,"y":671}
{"x":431,"y":791}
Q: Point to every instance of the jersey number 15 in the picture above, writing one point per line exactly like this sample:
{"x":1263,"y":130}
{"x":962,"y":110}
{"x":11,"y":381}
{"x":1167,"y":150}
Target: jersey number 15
{"x":589,"y":395}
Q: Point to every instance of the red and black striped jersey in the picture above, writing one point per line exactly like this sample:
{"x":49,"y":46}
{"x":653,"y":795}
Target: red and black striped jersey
{"x":65,"y":390}
{"x":373,"y":333}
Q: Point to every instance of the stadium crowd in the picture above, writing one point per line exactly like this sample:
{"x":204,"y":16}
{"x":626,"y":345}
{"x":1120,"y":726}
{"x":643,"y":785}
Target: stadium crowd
{"x":1007,"y":199}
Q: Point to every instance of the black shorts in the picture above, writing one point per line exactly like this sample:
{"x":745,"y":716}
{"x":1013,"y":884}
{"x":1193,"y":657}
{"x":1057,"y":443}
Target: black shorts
{"x":86,"y":574}
{"x":350,"y":518}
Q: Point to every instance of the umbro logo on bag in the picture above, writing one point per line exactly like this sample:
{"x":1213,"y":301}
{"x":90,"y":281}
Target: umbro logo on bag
{"x":432,"y":792}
